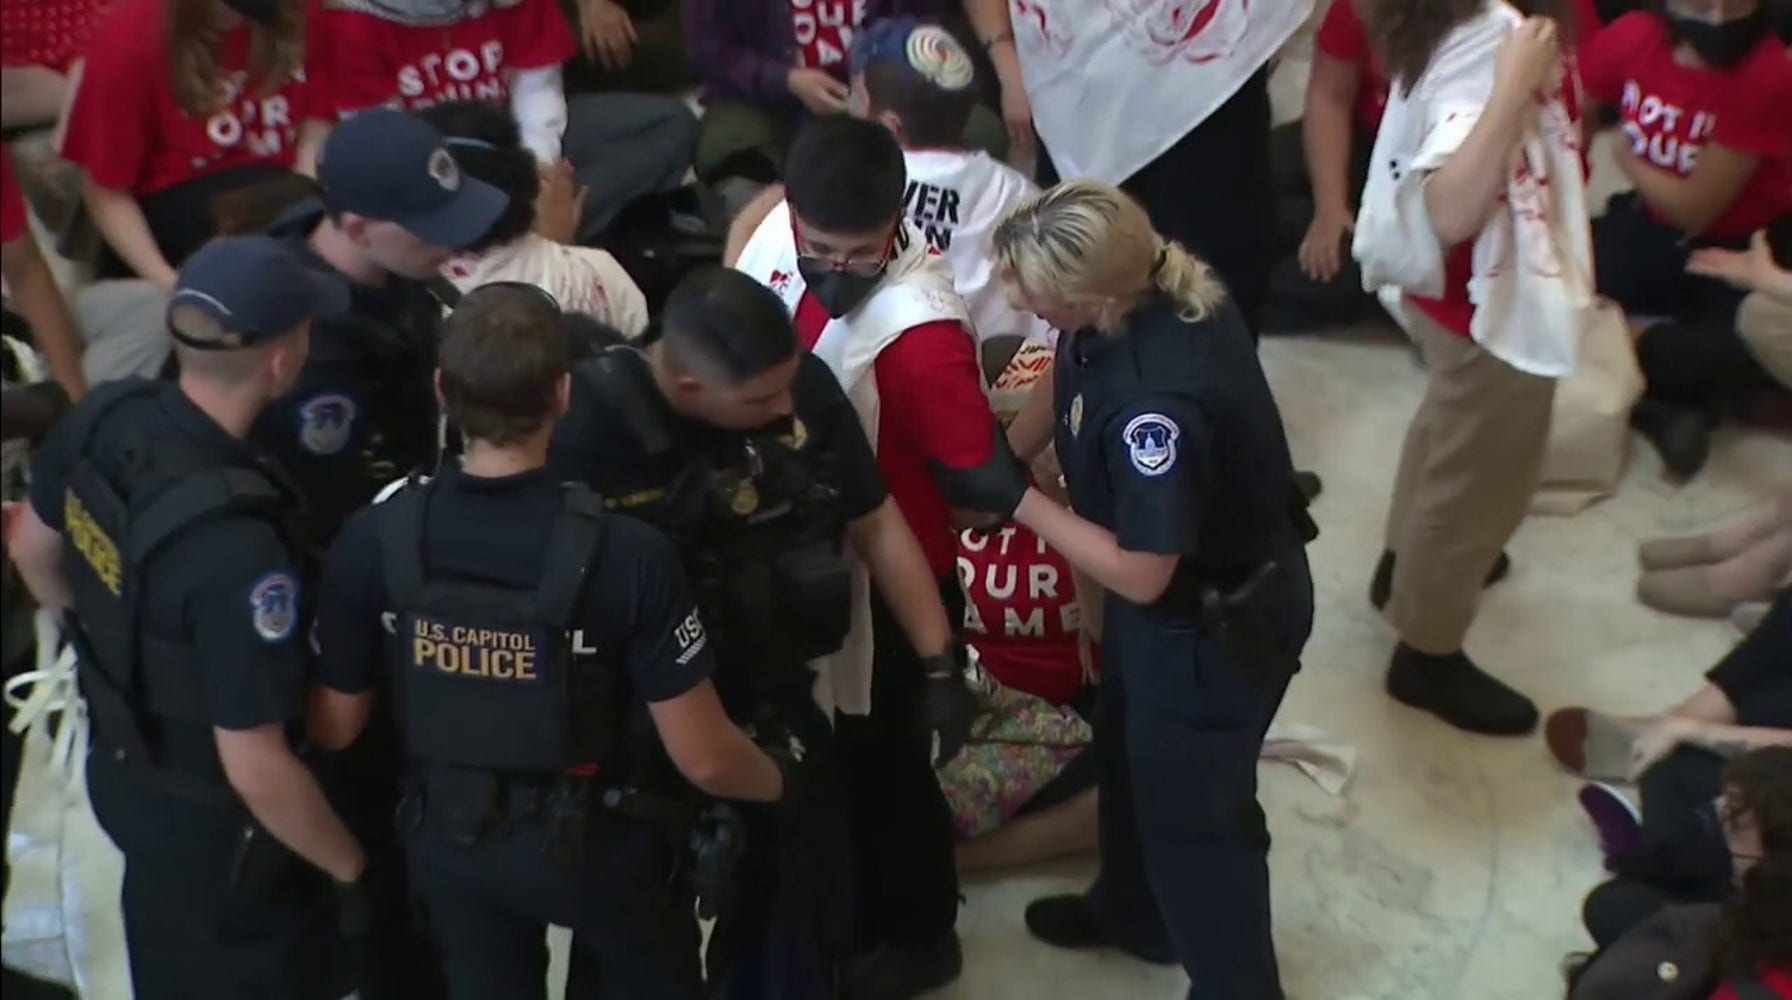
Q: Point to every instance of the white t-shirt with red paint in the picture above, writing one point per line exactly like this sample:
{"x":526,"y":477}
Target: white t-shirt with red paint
{"x":824,"y":31}
{"x":125,"y":128}
{"x":384,"y":62}
{"x":1669,"y":111}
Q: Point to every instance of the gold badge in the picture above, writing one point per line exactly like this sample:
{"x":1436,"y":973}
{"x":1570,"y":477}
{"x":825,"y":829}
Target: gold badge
{"x":1076,"y":414}
{"x":798,"y":436}
{"x":745,"y":498}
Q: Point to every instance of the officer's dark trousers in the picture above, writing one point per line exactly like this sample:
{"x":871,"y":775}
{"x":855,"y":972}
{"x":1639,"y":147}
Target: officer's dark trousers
{"x":901,"y":824}
{"x":1184,"y":846}
{"x":190,"y":935}
{"x":1213,"y":191}
{"x":490,"y":906}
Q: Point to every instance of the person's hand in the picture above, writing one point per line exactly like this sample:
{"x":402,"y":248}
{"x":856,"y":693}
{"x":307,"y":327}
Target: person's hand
{"x":818,"y":90}
{"x":560,"y":203}
{"x":1017,"y":114}
{"x":1749,"y":270}
{"x":949,"y":707}
{"x":1529,"y":58}
{"x":607,"y":33}
{"x":994,"y":487}
{"x":1656,"y":741}
{"x":1322,"y":248}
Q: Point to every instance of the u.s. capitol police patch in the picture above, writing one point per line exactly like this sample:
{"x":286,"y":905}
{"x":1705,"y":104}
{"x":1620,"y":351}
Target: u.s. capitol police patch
{"x":1150,"y":440}
{"x":325,"y":422}
{"x":274,"y":606}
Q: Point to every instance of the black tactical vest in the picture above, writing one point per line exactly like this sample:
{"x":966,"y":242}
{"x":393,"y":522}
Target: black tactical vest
{"x":122,"y":505}
{"x":484,"y":672}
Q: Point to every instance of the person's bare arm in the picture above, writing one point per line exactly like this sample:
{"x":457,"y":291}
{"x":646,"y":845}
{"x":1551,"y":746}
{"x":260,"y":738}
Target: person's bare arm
{"x":1140,"y":577}
{"x":1728,"y":740}
{"x":888,"y":547}
{"x":741,"y":230}
{"x":991,"y":22}
{"x":312,"y":133}
{"x":39,"y":302}
{"x":1707,"y":704}
{"x":283,"y":796}
{"x":1031,"y":429}
{"x":334,"y":719}
{"x":37,"y":551}
{"x":31,"y":95}
{"x":1326,"y":134}
{"x":120,"y":220}
{"x":1695,"y":201}
{"x":711,"y":751}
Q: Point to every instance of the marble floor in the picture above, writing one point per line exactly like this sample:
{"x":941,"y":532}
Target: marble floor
{"x":1452,"y":866}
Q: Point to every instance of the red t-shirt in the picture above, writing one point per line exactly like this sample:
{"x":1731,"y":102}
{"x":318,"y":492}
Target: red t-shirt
{"x":1342,"y":36}
{"x":824,"y":30}
{"x":12,"y":203}
{"x":383,"y":62}
{"x":1668,"y":112}
{"x":50,"y":33}
{"x":1021,"y":611}
{"x":930,"y":406}
{"x":125,"y":128}
{"x":1454,"y":311}
{"x":1777,"y":980}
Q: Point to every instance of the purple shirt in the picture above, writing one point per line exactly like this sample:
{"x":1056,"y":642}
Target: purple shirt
{"x":745,"y":48}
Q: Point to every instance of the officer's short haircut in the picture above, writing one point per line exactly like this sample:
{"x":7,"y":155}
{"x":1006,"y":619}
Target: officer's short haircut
{"x":845,"y":175}
{"x":488,"y":145}
{"x":932,"y":116}
{"x":501,"y":358}
{"x":723,"y":320}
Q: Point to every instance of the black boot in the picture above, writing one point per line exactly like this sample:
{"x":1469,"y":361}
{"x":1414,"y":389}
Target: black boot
{"x":1452,"y":688}
{"x":1681,"y":435}
{"x":1381,"y":587}
{"x":891,"y":972}
{"x":1069,"y":922}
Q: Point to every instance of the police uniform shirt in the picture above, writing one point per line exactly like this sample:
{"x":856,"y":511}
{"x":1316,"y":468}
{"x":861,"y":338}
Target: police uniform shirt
{"x":1140,"y":416}
{"x":595,"y":444}
{"x":367,"y":376}
{"x":498,"y":530}
{"x":227,"y":583}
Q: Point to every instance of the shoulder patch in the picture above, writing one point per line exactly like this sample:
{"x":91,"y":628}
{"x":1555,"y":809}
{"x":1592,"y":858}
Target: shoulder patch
{"x":1150,"y":440}
{"x":274,"y":606}
{"x":325,"y":422}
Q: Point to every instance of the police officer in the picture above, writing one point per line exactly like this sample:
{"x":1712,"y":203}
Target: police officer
{"x":171,"y":541}
{"x":394,"y":207}
{"x":524,"y":631}
{"x":746,"y":451}
{"x":1173,"y":451}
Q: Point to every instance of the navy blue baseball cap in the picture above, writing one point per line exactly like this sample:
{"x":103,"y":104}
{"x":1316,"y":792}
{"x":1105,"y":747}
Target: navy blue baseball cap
{"x":393,"y":166}
{"x":254,"y":288}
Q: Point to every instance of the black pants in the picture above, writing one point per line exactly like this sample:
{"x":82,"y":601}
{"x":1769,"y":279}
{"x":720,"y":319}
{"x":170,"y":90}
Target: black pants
{"x":1295,"y":301}
{"x":1700,"y":366}
{"x":190,"y":935}
{"x":490,"y":906}
{"x":901,"y":824}
{"x":1213,"y":192}
{"x":180,"y":217}
{"x":1640,"y":263}
{"x":1184,"y":845}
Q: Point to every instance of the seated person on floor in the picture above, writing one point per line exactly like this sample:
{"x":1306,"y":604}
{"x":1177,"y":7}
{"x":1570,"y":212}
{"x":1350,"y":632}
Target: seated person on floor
{"x":531,"y":241}
{"x":919,"y":82}
{"x":180,"y":100}
{"x":633,"y":45}
{"x":1023,"y":789}
{"x":415,"y":53}
{"x":1699,"y":91}
{"x":31,"y":289}
{"x":765,"y":74}
{"x":1683,"y":951}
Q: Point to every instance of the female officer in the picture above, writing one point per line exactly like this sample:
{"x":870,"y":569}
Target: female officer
{"x":1175,"y":460}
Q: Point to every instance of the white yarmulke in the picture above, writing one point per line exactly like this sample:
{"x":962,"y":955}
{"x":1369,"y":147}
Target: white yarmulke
{"x":938,"y":57}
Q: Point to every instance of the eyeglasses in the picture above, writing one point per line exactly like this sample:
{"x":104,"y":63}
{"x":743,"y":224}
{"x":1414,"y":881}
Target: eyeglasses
{"x":861,"y":267}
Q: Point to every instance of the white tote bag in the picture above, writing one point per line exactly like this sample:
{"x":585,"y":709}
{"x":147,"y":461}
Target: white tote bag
{"x":62,"y":918}
{"x":1589,"y":432}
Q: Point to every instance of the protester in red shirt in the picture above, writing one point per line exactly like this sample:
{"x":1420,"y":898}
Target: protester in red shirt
{"x":1700,"y":90}
{"x":417,"y":53}
{"x":31,"y":288}
{"x":181,"y":100}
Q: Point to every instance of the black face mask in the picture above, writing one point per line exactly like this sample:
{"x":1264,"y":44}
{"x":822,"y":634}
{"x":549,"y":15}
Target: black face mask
{"x":259,"y":11}
{"x":1720,"y":45}
{"x":837,"y":291}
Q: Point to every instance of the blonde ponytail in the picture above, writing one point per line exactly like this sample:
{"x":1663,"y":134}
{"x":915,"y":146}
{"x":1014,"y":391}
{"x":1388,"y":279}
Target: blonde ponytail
{"x":1189,"y":281}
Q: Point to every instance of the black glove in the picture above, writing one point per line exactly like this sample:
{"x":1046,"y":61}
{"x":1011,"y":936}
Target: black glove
{"x":354,"y":909}
{"x":994,"y":487}
{"x":949,"y":708}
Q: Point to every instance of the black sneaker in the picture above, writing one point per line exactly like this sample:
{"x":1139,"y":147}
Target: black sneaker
{"x":1068,"y":922}
{"x":1455,"y":690}
{"x":893,"y":972}
{"x":1309,"y":484}
{"x":1382,"y":586}
{"x":1682,"y":436}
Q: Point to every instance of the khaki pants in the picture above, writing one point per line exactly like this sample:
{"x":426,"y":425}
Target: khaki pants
{"x":1471,"y":461}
